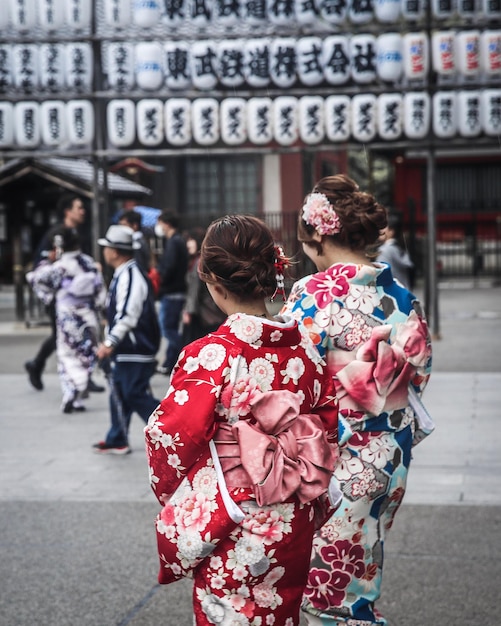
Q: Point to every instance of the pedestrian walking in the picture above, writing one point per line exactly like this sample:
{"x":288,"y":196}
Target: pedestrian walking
{"x":373,"y":335}
{"x":131,"y":341}
{"x":394,"y":252}
{"x":256,"y":392}
{"x":74,"y":285}
{"x":142,"y":250}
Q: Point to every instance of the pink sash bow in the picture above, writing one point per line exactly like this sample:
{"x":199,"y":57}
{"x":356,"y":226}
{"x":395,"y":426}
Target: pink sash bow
{"x":284,"y":453}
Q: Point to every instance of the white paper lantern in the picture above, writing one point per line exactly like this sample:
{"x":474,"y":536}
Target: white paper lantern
{"x":25,"y":66}
{"x":145,"y":13}
{"x":23,"y":14}
{"x":78,"y":14}
{"x":490,"y":52}
{"x":490,"y":108}
{"x":205,"y":121}
{"x":51,"y":14}
{"x":5,"y":17}
{"x":150,"y":121}
{"x":445,"y":122}
{"x":311,"y":119}
{"x":285,"y":120}
{"x":280,"y":13}
{"x":6,"y":124}
{"x":120,"y":69}
{"x":310,"y":60}
{"x":387,"y":11}
{"x":389,"y":57}
{"x":260,"y":120}
{"x":254,"y":12}
{"x":233,"y":114}
{"x":467,"y":9}
{"x":203,"y":65}
{"x":412,"y":10}
{"x":121,"y":122}
{"x":227,"y":13}
{"x":79,"y":66}
{"x":257,"y":62}
{"x":306,"y":11}
{"x":117,"y":13}
{"x":6,"y":78}
{"x":230,"y":63}
{"x":469,"y":119}
{"x":175,"y":14}
{"x":442,"y":52}
{"x":178,"y":121}
{"x":283,"y":61}
{"x":416,"y":55}
{"x":27,"y":124}
{"x":148,"y":58}
{"x":363,"y":116}
{"x":53,"y":122}
{"x":442,"y":9}
{"x":337,"y":118}
{"x":417,"y":114}
{"x":336,"y":59}
{"x":491,"y":9}
{"x":200,"y":12}
{"x":363,"y":58}
{"x":177,"y":64}
{"x":361,"y":12}
{"x":80,"y":121}
{"x":333,"y":12}
{"x":468,"y":52}
{"x":51,"y":60}
{"x":390,"y":116}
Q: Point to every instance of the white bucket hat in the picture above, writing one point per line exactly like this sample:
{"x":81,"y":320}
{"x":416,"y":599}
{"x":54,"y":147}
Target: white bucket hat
{"x":120,"y":237}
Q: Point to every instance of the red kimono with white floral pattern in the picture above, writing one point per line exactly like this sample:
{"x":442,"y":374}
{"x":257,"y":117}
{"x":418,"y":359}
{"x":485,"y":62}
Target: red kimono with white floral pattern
{"x":256,"y":576}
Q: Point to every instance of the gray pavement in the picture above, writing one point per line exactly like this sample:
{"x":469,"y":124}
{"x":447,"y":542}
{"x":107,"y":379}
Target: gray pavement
{"x":77,"y":539}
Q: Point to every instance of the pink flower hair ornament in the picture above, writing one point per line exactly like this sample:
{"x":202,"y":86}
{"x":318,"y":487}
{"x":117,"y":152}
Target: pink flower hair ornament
{"x":319,"y":213}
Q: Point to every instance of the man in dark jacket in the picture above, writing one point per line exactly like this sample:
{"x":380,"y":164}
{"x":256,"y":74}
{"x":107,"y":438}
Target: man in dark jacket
{"x":172,"y":267}
{"x":132,"y":340}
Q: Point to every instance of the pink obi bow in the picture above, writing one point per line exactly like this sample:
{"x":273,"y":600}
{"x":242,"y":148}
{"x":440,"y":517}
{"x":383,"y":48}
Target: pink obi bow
{"x":376,"y":376}
{"x":284,"y":453}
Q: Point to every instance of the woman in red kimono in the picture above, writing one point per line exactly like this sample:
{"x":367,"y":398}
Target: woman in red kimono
{"x":258,"y":389}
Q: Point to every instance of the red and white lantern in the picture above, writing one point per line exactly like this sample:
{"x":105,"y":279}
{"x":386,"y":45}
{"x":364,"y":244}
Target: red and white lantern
{"x":148,"y":57}
{"x":363,"y":117}
{"x":121,"y":122}
{"x":445,"y":118}
{"x":309,"y":61}
{"x":260,"y":120}
{"x":417,"y":114}
{"x":468,"y":52}
{"x":389,"y":57}
{"x":336,"y":59}
{"x":27,"y":124}
{"x":150,"y":121}
{"x":337,"y":118}
{"x":390,"y":116}
{"x":53,"y":122}
{"x":469,"y":117}
{"x":442,"y":52}
{"x":6,"y":124}
{"x":205,"y":121}
{"x":311,"y":119}
{"x":80,"y":121}
{"x":490,"y":108}
{"x":233,"y":114}
{"x":490,"y":52}
{"x":285,"y":120}
{"x":416,"y":55}
{"x":178,"y":121}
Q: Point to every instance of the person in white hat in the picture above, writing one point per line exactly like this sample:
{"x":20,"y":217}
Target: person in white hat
{"x":131,"y":341}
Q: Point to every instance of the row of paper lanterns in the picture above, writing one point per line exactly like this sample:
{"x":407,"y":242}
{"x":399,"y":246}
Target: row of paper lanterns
{"x":311,"y":61}
{"x":53,"y":15}
{"x":234,"y":121}
{"x":257,"y":63}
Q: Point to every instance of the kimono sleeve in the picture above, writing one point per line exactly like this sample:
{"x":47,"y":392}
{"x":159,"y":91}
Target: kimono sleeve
{"x":179,"y":430}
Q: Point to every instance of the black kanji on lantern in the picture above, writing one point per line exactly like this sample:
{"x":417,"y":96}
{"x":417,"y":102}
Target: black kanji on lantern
{"x":391,"y":117}
{"x":495,"y":112}
{"x":339,"y":117}
{"x":177,"y":63}
{"x":311,"y":60}
{"x":418,"y":113}
{"x":200,"y":8}
{"x":231,"y":63}
{"x":262,"y":114}
{"x":205,"y":63}
{"x":178,"y":121}
{"x":333,"y":7}
{"x":472,"y":111}
{"x":445,"y":118}
{"x":364,"y":57}
{"x":286,"y":121}
{"x":228,"y":8}
{"x":207,"y":121}
{"x":234,"y":120}
{"x":285,"y":61}
{"x":256,"y":9}
{"x":338,"y":60}
{"x":282,"y":8}
{"x":151,"y":121}
{"x":259,"y":62}
{"x":313,"y":119}
{"x":174,"y":9}
{"x":362,"y":6}
{"x":365,"y":117}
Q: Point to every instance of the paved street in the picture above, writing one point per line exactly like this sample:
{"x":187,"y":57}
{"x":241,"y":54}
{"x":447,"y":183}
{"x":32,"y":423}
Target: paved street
{"x":77,"y":540}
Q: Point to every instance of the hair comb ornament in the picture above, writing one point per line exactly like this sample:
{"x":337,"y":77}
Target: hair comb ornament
{"x":319,"y":213}
{"x":281,"y":263}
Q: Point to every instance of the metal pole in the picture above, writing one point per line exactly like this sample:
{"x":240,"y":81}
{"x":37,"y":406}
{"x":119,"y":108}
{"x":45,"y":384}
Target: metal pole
{"x":432,"y":279}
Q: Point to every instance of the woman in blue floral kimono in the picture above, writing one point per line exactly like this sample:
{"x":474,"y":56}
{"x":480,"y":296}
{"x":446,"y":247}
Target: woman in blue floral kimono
{"x":374,"y":337}
{"x":75,"y":282}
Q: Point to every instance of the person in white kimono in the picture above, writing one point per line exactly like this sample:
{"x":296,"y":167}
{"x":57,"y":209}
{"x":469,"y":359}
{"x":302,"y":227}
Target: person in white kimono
{"x":74,"y":281}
